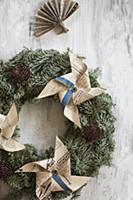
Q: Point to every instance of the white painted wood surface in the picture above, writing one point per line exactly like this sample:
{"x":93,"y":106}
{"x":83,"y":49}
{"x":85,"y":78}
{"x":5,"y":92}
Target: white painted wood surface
{"x":102,"y":31}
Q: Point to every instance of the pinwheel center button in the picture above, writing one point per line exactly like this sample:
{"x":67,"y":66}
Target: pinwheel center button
{"x":73,"y":88}
{"x":54,"y":172}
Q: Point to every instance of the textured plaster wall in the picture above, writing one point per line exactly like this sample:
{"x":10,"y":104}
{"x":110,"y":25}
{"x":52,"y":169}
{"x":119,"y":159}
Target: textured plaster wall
{"x":102,"y":31}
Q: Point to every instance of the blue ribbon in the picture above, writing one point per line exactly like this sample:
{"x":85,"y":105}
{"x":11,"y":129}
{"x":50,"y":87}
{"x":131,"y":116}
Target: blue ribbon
{"x":67,"y":97}
{"x":61,"y":182}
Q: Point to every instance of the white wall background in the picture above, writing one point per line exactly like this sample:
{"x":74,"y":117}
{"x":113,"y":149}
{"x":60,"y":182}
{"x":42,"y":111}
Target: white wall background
{"x":102,"y":31}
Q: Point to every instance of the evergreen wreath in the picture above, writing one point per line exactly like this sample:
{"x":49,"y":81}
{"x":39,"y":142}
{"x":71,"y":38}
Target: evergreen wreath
{"x":22,"y":79}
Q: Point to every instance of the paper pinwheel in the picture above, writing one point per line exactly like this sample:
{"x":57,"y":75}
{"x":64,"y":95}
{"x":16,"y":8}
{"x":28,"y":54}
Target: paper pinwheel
{"x":73,"y":89}
{"x":53,"y":175}
{"x":7,"y":126}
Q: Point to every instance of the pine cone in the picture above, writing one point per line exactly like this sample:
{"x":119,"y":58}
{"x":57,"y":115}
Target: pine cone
{"x":5,"y":169}
{"x":92,"y":133}
{"x":20,"y":74}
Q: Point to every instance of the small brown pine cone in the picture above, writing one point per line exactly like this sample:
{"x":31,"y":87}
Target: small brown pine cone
{"x":92,"y":133}
{"x":6,"y":169}
{"x":20,"y":74}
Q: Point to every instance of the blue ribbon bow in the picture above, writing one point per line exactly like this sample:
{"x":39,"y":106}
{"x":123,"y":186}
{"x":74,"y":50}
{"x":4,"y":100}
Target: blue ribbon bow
{"x":60,"y":182}
{"x":67,"y":97}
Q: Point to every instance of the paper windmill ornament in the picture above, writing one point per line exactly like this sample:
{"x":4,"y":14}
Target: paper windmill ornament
{"x":7,"y":126}
{"x":54,"y":175}
{"x":73,"y":89}
{"x":52,"y":14}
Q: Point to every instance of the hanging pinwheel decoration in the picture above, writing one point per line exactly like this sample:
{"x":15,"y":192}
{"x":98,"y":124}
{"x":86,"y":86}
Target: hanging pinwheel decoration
{"x":7,"y":125}
{"x":54,"y":175}
{"x":73,"y":89}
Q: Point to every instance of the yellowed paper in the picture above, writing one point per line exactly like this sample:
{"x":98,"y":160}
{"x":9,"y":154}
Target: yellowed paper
{"x":45,"y":184}
{"x":51,"y":16}
{"x":7,"y":125}
{"x":80,"y":78}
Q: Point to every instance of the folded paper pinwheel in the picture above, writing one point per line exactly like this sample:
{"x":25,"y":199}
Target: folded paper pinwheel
{"x":73,"y":89}
{"x":7,"y":126}
{"x":54,"y":175}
